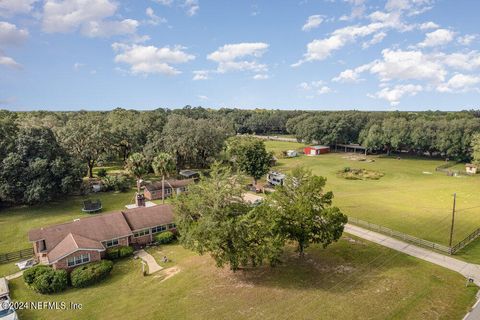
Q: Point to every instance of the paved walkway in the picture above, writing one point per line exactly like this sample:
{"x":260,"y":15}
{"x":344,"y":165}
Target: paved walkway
{"x":15,"y":275}
{"x":149,"y":260}
{"x":468,"y":270}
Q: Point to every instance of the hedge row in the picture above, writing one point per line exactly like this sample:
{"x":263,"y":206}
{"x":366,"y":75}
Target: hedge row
{"x":90,"y":273}
{"x":44,"y":279}
{"x":119,"y":252}
{"x":164,"y":237}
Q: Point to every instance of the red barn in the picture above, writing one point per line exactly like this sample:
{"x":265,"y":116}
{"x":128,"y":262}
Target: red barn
{"x":316,"y":150}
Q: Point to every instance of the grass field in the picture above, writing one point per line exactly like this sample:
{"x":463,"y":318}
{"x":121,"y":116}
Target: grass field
{"x":411,"y":197}
{"x":351,"y":279}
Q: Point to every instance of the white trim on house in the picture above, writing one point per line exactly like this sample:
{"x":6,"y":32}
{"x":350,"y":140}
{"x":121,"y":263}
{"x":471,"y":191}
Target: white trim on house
{"x":79,"y":249}
{"x":82,"y":260}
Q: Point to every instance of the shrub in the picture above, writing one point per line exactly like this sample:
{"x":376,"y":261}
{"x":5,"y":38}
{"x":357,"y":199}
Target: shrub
{"x":44,"y":279}
{"x":115,"y":183}
{"x":164,"y":237}
{"x":29,"y":275}
{"x":90,"y":273}
{"x":102,"y":173}
{"x":119,"y":252}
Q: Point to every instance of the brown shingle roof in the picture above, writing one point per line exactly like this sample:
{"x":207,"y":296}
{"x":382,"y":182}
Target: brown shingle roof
{"x":168,"y":183}
{"x":71,"y":243}
{"x":142,"y":218}
{"x":100,"y":228}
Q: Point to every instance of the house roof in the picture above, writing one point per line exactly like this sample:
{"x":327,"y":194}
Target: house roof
{"x":100,"y":228}
{"x":470,"y":165}
{"x":168,"y":184}
{"x":88,"y":233}
{"x":188,"y":173}
{"x":71,"y":243}
{"x":142,"y":218}
{"x":319,"y":147}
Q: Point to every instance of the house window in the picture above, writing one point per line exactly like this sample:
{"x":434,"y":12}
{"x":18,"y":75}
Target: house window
{"x":141,"y":233}
{"x":158,"y":229}
{"x":81,"y":259}
{"x":168,"y":190}
{"x":171,"y":225}
{"x":111,"y":243}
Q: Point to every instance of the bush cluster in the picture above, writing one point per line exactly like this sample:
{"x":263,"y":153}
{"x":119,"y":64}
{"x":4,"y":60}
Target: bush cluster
{"x":115,"y":183}
{"x":164,"y":237}
{"x":119,"y":252}
{"x":90,"y":273}
{"x":102,"y":173}
{"x":44,"y":279}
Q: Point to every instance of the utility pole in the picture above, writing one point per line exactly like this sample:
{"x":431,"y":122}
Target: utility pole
{"x":453,"y":218}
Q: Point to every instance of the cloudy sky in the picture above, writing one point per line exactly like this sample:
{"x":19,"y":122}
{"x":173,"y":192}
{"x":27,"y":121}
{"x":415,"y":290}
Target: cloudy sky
{"x":303,"y":54}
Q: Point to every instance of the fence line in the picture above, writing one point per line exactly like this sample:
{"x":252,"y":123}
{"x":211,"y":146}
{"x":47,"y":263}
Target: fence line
{"x":16,"y":255}
{"x":462,"y":244}
{"x":400,"y":235}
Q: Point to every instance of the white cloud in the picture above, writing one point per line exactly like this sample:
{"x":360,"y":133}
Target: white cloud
{"x":87,"y":15}
{"x":467,"y":39}
{"x":201,"y":75}
{"x":239,"y":57}
{"x":154,"y":19}
{"x":393,"y":95}
{"x":191,"y":6}
{"x":109,"y":28}
{"x":77,"y":66}
{"x":459,"y":83}
{"x":260,"y":76}
{"x":358,"y":9}
{"x":202,"y":97}
{"x":404,"y":65}
{"x":312,"y":22}
{"x":437,"y":38}
{"x":377,"y":38}
{"x":317,"y":87}
{"x":428,"y":25}
{"x":150,"y":59}
{"x":457,"y":60}
{"x":11,"y":35}
{"x":411,"y":7}
{"x":10,"y":8}
{"x":348,"y":75}
{"x":164,"y":2}
{"x":8,"y":61}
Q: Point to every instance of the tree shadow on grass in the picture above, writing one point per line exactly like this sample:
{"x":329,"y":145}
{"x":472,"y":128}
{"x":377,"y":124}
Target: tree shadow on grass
{"x":349,"y":264}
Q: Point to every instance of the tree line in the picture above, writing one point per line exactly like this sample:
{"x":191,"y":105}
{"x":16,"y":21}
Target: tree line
{"x":43,"y":153}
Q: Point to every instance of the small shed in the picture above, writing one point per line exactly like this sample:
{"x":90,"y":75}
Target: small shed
{"x":189,"y":174}
{"x":316,"y":150}
{"x":471,"y":168}
{"x":292,"y":153}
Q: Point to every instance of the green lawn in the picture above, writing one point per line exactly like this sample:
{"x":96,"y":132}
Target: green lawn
{"x":351,"y":279}
{"x":410,"y":198}
{"x":15,"y":222}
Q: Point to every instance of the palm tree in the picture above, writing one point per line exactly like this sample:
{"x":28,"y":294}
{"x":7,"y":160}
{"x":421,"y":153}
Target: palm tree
{"x":137,"y":165}
{"x":163,"y":165}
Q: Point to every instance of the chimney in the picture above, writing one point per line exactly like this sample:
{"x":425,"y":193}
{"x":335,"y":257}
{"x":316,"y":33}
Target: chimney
{"x":140,"y":200}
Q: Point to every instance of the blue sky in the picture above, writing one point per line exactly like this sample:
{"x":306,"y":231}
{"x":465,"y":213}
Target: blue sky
{"x":304,"y":54}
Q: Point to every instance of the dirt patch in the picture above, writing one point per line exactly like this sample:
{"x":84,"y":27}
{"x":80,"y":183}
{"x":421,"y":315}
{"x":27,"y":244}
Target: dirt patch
{"x":359,"y":174}
{"x":168,"y":273}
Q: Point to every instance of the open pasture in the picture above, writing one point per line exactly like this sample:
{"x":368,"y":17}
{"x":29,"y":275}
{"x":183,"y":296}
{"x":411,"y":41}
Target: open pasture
{"x":411,"y":197}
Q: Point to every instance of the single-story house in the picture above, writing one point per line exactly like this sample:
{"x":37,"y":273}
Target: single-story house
{"x":67,"y":245}
{"x":471,"y":168}
{"x":153,"y":191}
{"x":316,"y":150}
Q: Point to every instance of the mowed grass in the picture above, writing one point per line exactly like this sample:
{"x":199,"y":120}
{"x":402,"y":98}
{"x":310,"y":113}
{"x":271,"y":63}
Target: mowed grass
{"x":351,"y":279}
{"x":411,"y":197}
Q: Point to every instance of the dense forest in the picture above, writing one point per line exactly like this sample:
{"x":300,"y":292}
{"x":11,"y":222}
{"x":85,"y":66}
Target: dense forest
{"x":45,"y":152}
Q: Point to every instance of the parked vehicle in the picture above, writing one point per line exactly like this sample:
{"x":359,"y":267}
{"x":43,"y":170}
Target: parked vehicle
{"x":25,"y":264}
{"x":275,"y":178}
{"x":6,"y":310}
